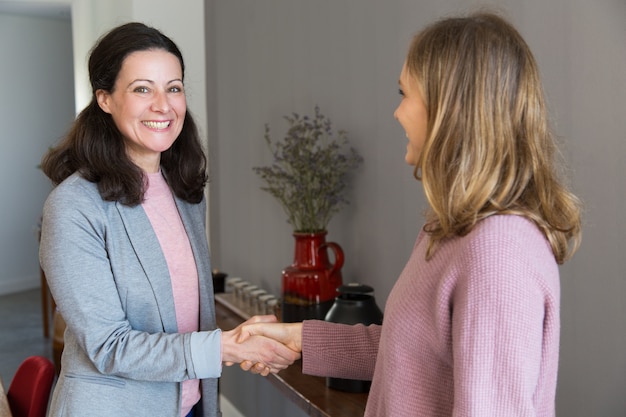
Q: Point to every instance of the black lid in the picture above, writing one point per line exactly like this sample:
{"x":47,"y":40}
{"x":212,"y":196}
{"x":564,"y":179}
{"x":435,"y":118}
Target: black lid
{"x":355,"y":288}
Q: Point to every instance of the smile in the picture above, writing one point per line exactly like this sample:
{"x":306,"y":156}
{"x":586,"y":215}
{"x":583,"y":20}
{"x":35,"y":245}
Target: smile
{"x":156,"y":125}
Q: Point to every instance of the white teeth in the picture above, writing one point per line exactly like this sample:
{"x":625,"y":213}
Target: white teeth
{"x":156,"y":125}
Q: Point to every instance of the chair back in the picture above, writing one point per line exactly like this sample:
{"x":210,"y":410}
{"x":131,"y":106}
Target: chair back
{"x":29,"y":391}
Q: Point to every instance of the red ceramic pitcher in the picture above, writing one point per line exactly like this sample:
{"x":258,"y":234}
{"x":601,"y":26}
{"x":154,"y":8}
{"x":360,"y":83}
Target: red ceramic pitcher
{"x":309,"y":285}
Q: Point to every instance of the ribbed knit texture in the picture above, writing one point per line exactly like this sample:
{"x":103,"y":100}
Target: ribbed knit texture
{"x":160,"y":208}
{"x":472,"y":332}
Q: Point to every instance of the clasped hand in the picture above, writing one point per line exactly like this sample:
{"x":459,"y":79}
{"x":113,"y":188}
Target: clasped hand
{"x":262,"y":345}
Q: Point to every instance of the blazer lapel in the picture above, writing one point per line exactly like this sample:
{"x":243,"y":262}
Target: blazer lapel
{"x":150,"y":256}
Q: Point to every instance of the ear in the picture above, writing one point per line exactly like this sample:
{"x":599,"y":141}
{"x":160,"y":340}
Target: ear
{"x":103,"y":98}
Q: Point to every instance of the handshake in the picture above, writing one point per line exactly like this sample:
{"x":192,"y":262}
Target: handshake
{"x":262,"y":345}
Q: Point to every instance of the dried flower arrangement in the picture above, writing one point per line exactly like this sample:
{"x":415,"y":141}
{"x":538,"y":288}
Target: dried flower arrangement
{"x":309,"y":173}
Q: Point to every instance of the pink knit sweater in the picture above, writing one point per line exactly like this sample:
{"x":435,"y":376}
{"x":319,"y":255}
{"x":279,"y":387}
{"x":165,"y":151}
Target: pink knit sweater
{"x":472,"y":332}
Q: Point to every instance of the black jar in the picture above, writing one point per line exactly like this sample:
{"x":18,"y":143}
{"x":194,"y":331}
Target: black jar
{"x":355,"y":304}
{"x":219,"y":280}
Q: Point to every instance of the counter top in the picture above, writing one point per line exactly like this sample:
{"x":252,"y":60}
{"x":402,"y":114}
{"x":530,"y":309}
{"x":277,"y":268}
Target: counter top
{"x":310,"y":393}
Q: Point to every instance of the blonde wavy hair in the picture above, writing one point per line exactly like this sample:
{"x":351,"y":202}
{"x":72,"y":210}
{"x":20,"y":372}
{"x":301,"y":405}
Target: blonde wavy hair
{"x":489,"y":148}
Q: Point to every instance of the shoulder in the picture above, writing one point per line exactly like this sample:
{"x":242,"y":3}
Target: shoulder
{"x":74,"y":186}
{"x":508,"y":248}
{"x":74,"y":194}
{"x":507,"y":232}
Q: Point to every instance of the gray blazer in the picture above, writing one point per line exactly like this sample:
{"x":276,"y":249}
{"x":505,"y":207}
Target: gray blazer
{"x":109,"y":278}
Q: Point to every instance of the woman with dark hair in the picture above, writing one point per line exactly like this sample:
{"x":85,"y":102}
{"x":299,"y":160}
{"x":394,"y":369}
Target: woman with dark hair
{"x":124,"y":248}
{"x":471,"y":326}
{"x":95,"y":146}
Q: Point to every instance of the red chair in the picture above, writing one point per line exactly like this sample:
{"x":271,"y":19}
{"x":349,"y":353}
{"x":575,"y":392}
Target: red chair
{"x":30,"y":388}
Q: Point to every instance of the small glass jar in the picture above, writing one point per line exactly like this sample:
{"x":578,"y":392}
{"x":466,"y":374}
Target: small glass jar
{"x":245,"y":295}
{"x":253,"y":298}
{"x":261,"y":304}
{"x":230,"y":284}
{"x":238,"y":290}
{"x":272,"y":306}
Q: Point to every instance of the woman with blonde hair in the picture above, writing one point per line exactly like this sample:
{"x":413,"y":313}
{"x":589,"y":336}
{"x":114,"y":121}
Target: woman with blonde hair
{"x":471,"y":327}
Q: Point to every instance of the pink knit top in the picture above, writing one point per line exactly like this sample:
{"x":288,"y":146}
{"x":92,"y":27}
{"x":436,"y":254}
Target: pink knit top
{"x":472,"y":332}
{"x":160,"y":208}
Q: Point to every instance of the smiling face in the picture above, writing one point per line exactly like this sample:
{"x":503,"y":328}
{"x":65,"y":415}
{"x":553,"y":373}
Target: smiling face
{"x":412,"y":115}
{"x":147,"y":104}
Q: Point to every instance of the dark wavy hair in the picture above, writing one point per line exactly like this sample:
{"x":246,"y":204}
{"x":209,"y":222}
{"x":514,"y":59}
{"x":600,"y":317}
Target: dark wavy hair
{"x":94,"y":146}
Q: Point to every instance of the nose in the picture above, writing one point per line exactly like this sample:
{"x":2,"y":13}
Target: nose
{"x":395,"y":113}
{"x":160,"y":102}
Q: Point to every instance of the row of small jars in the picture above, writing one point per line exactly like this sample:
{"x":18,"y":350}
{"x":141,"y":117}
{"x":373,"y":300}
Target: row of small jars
{"x":251,"y":298}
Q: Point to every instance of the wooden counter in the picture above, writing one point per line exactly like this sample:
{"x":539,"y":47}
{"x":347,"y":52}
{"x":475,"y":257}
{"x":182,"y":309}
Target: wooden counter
{"x":310,"y":393}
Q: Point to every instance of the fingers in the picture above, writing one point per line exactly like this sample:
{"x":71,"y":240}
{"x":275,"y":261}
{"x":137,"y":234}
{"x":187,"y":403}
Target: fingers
{"x":259,"y":329}
{"x":274,"y":353}
{"x":289,"y":334}
{"x":243,"y":334}
{"x":271,"y":353}
{"x":270,"y":318}
{"x":257,"y":349}
{"x":261,"y":345}
{"x":245,"y":365}
{"x":258,"y":368}
{"x":263,"y":370}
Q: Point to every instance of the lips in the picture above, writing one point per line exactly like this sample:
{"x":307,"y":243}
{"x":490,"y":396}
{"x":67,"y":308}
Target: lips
{"x":157,"y":125}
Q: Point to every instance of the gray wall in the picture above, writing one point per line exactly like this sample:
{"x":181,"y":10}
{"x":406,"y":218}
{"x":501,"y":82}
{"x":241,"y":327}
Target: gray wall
{"x":36,"y":108}
{"x":267,"y":59}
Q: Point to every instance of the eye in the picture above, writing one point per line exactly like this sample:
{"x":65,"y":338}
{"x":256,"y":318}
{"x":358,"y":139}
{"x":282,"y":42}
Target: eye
{"x":176,"y":89}
{"x":400,"y":92}
{"x":141,"y":89}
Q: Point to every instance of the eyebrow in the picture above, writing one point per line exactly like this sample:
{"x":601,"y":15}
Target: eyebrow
{"x":142,"y":80}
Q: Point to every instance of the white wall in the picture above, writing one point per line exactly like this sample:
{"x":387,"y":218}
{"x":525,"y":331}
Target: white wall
{"x":184,"y":24}
{"x":267,"y":59}
{"x":36,"y":107}
{"x":46,"y":84}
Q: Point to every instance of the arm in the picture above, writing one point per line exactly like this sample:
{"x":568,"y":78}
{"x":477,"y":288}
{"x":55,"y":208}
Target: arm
{"x":339,"y":350}
{"x":328,"y":349}
{"x":504,"y":333}
{"x":119,"y":311}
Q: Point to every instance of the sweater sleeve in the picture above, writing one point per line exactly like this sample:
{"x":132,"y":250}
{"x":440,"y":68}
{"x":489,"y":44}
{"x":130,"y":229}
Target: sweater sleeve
{"x":339,"y":350}
{"x":503,"y":318}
